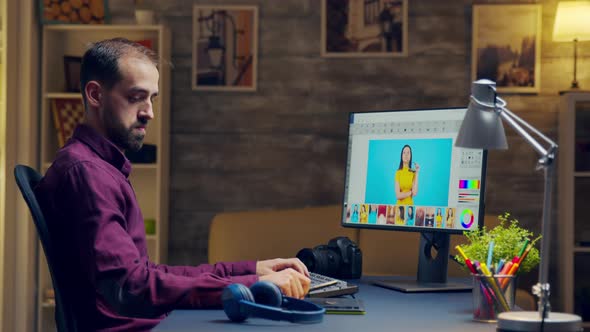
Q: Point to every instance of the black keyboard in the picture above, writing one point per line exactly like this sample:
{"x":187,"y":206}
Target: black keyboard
{"x":320,"y":281}
{"x":324,"y":286}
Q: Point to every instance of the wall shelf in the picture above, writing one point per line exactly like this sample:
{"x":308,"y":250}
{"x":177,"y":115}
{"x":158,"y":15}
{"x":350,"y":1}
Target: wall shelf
{"x":64,"y":95}
{"x":573,"y":196}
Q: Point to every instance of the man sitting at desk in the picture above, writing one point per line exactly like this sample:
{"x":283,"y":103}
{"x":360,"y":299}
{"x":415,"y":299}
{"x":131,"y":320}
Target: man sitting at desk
{"x":95,"y":221}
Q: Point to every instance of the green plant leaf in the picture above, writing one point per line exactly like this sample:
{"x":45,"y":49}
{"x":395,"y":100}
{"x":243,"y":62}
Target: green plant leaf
{"x":508,"y":237}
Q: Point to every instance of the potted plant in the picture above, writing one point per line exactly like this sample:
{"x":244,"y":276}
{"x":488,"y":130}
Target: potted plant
{"x":509,"y":241}
{"x":495,"y":258}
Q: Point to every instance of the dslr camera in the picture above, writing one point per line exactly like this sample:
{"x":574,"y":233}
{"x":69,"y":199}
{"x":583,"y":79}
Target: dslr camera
{"x":341,"y":258}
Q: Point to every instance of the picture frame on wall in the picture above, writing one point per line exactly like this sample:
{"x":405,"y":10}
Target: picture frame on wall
{"x":506,"y":46}
{"x":67,"y":114}
{"x":74,"y":12}
{"x":225,"y":48}
{"x":364,"y":28}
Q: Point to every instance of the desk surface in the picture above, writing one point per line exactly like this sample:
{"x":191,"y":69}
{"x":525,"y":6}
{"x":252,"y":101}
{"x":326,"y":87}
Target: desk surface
{"x":386,"y":310}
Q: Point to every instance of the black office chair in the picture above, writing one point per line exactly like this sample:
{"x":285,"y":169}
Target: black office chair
{"x":26,"y":179}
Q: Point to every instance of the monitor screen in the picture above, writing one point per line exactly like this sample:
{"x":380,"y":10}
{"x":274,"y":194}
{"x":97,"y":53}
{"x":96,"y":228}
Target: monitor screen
{"x":404,"y":172}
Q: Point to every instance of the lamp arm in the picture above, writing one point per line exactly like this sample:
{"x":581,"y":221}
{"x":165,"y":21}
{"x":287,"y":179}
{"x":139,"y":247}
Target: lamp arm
{"x":486,"y":91}
{"x":527,"y":125}
{"x":541,"y":289}
{"x":520,"y":130}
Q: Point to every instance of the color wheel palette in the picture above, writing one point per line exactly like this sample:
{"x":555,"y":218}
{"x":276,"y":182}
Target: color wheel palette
{"x":467,"y":218}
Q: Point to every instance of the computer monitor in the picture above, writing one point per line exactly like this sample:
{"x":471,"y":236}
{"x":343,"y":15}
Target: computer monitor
{"x":404,"y":173}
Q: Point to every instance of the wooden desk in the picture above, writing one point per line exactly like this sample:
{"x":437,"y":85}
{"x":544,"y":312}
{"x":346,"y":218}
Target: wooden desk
{"x":386,"y":310}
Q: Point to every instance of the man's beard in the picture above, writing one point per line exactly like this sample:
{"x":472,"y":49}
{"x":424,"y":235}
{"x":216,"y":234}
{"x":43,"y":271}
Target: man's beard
{"x":123,"y":137}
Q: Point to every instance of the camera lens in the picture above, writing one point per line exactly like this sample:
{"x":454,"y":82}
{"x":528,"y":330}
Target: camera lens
{"x":307,"y":257}
{"x":321,"y":260}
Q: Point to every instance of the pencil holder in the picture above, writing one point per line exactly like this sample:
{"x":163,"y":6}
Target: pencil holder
{"x":492,"y":295}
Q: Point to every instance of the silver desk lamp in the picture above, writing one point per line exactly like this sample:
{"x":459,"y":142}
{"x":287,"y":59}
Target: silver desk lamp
{"x":482,"y":129}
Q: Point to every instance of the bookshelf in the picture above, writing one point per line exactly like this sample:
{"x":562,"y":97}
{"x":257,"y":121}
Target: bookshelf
{"x":573,"y":196}
{"x":150,"y":181}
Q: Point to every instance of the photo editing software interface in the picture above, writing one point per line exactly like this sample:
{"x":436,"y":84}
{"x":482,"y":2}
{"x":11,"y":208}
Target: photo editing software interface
{"x":405,"y":173}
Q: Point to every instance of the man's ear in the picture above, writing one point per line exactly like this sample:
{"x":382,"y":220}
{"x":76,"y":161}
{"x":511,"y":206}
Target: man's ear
{"x":93,"y":91}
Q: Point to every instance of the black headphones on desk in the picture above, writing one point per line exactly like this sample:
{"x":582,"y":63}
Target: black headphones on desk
{"x":265,"y":300}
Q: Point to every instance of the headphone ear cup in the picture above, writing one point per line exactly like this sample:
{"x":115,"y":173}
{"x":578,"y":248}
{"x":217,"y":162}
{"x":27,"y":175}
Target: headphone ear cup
{"x":231,"y":297}
{"x":267,"y":293}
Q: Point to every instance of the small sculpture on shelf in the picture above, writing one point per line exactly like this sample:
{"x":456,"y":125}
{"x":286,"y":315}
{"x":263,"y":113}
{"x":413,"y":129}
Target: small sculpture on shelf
{"x":143,"y":14}
{"x":49,"y":297}
{"x":150,"y":226}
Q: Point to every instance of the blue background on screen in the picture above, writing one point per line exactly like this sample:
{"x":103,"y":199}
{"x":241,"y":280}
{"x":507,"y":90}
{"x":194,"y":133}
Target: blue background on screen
{"x":434,"y":158}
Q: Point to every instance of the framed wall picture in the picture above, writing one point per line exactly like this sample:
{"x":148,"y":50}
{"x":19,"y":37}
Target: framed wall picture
{"x":225,"y":48}
{"x":506,"y":46}
{"x":364,"y":28}
{"x":67,"y":114}
{"x":74,"y":11}
{"x":72,"y":66}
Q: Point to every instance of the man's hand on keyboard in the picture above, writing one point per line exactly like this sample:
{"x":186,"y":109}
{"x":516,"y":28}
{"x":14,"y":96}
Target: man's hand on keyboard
{"x":273,"y":265}
{"x":291,"y":282}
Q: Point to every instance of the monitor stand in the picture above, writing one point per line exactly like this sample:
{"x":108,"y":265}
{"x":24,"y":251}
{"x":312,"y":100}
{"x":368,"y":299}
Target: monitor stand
{"x":432,"y":271}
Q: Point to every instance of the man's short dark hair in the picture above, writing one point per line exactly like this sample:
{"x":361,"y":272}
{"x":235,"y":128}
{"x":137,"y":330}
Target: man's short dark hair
{"x":101,"y":61}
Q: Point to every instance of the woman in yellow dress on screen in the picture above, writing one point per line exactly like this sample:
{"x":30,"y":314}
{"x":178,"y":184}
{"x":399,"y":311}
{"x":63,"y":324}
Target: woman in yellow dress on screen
{"x":364,"y":214}
{"x":406,"y":178}
{"x":450,"y":218}
{"x":438,"y":218}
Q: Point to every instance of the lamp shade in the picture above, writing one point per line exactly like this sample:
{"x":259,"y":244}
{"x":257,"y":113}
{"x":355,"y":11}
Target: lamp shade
{"x":571,"y":21}
{"x":482,"y":126}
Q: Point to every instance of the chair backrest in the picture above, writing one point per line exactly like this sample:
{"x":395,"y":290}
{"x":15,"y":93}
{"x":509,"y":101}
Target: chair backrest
{"x":27,"y":179}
